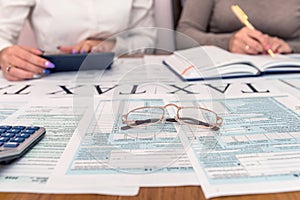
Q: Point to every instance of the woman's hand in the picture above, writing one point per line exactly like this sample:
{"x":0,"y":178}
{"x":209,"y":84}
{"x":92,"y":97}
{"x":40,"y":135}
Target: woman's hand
{"x":277,"y":45}
{"x":20,"y":63}
{"x":89,"y":45}
{"x":248,"y":41}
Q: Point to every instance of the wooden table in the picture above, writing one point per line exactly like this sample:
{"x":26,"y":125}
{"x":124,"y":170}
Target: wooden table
{"x":163,"y":193}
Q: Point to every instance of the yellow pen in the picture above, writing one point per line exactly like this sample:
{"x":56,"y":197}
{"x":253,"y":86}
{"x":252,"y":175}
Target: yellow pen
{"x":241,"y":15}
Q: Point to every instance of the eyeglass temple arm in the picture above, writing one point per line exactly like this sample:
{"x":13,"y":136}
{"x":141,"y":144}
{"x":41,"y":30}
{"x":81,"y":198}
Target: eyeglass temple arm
{"x":194,"y":121}
{"x":145,"y":121}
{"x":138,"y":122}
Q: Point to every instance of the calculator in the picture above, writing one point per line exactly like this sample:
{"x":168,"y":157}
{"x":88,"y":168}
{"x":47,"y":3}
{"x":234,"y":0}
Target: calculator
{"x":15,"y":141}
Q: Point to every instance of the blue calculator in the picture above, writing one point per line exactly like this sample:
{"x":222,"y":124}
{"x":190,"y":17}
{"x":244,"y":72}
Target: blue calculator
{"x":17,"y":140}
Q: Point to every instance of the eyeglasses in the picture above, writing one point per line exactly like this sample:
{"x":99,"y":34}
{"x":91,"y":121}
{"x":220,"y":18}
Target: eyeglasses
{"x":150,"y":115}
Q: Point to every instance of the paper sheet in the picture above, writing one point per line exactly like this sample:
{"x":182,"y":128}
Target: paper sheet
{"x":32,"y":172}
{"x":292,"y":84}
{"x":59,"y":155}
{"x":70,"y":89}
{"x":255,"y":151}
{"x":102,"y":151}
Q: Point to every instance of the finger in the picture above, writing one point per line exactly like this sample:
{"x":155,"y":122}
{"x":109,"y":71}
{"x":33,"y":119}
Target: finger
{"x":33,"y":50}
{"x":20,"y":73}
{"x":257,"y":35}
{"x":33,"y":59}
{"x":239,"y":47}
{"x":275,"y":47}
{"x":28,"y":66}
{"x":14,"y":52}
{"x":85,"y":48}
{"x":66,"y":49}
{"x":10,"y":77}
{"x":76,"y":49}
{"x":267,"y":43}
{"x":280,"y":46}
{"x":252,"y":46}
{"x":284,"y":49}
{"x":236,"y":45}
{"x":262,"y":39}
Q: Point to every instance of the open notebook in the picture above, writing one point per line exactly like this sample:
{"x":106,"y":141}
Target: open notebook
{"x":210,"y":62}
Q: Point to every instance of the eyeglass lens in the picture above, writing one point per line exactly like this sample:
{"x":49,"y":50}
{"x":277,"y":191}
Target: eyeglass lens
{"x":197,"y":116}
{"x":189,"y":115}
{"x":145,"y":116}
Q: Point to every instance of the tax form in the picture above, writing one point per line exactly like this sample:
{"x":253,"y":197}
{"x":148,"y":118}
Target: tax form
{"x":103,"y":153}
{"x":257,"y":150}
{"x":32,"y":172}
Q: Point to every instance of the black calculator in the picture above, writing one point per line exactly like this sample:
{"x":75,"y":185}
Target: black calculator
{"x":17,"y":140}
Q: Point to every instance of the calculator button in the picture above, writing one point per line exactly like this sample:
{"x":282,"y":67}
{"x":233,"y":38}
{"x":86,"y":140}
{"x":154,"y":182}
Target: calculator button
{"x":28,"y":131}
{"x":35,"y":128}
{"x":11,"y":144}
{"x":19,"y":127}
{"x":2,"y":130}
{"x":10,"y":135}
{"x":13,"y":131}
{"x":4,"y":139}
{"x":19,"y":140}
{"x":5,"y":127}
{"x":23,"y":135}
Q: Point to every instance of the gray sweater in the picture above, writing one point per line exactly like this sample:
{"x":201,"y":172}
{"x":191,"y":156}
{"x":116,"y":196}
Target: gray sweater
{"x":211,"y":22}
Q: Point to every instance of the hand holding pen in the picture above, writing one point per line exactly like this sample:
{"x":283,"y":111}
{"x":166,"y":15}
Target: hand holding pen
{"x":251,"y":41}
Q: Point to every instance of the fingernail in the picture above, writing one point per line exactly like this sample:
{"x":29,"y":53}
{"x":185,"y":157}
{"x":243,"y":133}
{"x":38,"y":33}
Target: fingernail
{"x":46,"y":71}
{"x":41,"y":50}
{"x":83,"y":51}
{"x":267,"y":47}
{"x":74,"y":52}
{"x":49,"y":64}
{"x":35,"y":76}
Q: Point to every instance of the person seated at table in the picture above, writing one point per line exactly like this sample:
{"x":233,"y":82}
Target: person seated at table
{"x":70,"y":27}
{"x":212,"y":22}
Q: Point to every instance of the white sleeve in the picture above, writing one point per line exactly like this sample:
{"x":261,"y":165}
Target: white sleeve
{"x":13,"y":14}
{"x":138,"y":39}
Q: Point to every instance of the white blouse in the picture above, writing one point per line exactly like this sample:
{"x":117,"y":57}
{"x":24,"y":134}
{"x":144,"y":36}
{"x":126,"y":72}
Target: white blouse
{"x":67,"y":22}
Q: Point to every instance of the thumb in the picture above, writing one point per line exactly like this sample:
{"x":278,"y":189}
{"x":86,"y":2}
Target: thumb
{"x":65,"y":49}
